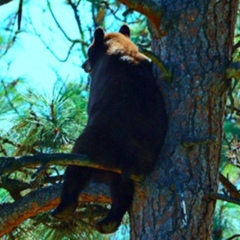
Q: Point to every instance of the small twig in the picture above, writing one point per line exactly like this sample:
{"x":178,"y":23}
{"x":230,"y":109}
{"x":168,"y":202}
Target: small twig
{"x":74,"y":7}
{"x":70,"y":49}
{"x":20,"y":8}
{"x":192,"y":141}
{"x":218,"y":196}
{"x":8,"y":98}
{"x":15,"y":187}
{"x":234,"y":109}
{"x":165,"y":71}
{"x":232,"y":190}
{"x":106,"y":4}
{"x":234,"y":236}
{"x":57,"y":23}
{"x":40,"y":169}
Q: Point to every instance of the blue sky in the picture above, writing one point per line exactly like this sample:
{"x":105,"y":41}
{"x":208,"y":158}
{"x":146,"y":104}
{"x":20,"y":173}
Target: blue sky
{"x":29,"y":57}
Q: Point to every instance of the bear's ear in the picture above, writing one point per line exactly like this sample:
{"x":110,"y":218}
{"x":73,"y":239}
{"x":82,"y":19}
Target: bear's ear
{"x":99,"y":36}
{"x":125,"y":30}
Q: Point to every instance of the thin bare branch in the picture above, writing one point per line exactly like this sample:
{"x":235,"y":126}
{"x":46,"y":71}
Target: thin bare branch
{"x":232,"y":190}
{"x":9,"y":100}
{"x":77,"y":18}
{"x":76,"y":15}
{"x":234,"y":236}
{"x":20,"y":10}
{"x":12,"y":36}
{"x":15,"y":186}
{"x":106,"y":5}
{"x":218,"y":196}
{"x":57,"y":23}
{"x":69,"y":51}
{"x":74,"y":42}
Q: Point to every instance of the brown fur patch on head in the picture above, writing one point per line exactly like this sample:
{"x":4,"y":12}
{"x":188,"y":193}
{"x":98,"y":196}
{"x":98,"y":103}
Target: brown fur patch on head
{"x":118,"y":44}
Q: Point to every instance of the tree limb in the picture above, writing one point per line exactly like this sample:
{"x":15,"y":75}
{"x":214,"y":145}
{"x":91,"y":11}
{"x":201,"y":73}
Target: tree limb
{"x":11,"y":164}
{"x":42,"y":200}
{"x":232,"y":190}
{"x":218,"y":196}
{"x":15,"y":186}
{"x":2,"y":2}
{"x":152,"y":10}
{"x":165,"y":71}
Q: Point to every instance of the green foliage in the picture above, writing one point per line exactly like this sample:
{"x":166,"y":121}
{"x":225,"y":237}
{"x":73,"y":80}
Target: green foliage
{"x":50,"y":124}
{"x":47,"y":124}
{"x":33,"y":122}
{"x":10,"y":98}
{"x":226,"y":221}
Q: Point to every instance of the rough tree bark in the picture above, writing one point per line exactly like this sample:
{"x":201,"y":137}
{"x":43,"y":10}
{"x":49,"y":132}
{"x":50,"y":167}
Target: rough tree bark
{"x":194,"y":40}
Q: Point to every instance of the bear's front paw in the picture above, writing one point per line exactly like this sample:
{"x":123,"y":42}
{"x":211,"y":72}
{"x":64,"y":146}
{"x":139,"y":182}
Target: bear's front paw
{"x":105,"y":226}
{"x":64,"y":212}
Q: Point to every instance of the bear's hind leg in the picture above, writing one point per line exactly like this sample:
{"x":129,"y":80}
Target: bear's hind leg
{"x":122,"y":191}
{"x":75,"y":179}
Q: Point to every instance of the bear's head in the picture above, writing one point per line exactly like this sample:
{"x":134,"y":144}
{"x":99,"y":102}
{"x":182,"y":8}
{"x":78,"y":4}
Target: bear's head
{"x":112,"y":44}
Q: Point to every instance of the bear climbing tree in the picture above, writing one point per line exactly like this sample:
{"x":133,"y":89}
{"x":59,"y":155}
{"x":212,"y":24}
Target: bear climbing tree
{"x":194,"y":40}
{"x":126,"y":126}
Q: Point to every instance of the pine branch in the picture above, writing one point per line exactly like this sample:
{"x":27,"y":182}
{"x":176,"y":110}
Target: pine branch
{"x":11,"y":164}
{"x":42,"y":200}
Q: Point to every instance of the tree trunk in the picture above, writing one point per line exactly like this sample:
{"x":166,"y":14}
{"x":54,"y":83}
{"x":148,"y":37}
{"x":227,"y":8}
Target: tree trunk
{"x":196,"y":45}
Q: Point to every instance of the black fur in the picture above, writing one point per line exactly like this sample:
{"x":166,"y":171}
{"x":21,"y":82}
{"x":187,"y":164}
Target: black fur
{"x":126,"y":126}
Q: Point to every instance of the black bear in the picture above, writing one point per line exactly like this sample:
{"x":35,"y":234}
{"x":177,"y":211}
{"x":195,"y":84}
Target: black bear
{"x":126,"y":125}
